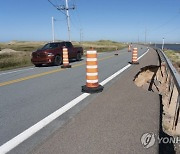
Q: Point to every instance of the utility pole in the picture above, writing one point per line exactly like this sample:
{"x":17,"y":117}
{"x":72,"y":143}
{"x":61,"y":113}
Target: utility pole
{"x":65,"y":8}
{"x":68,"y":20}
{"x":145,"y":35}
{"x":163,"y":44}
{"x":53,"y":35}
{"x":81,"y":35}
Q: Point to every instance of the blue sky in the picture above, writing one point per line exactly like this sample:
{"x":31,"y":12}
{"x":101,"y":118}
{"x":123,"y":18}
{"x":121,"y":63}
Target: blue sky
{"x":118,"y":20}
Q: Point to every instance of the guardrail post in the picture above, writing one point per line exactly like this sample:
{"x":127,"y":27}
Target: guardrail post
{"x":171,"y":93}
{"x":176,"y":116}
{"x":167,"y":74}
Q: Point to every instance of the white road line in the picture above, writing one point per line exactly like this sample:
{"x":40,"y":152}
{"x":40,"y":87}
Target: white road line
{"x":16,"y":71}
{"x":120,"y":71}
{"x":143,"y":54}
{"x":14,"y":142}
{"x":38,"y":126}
{"x":114,"y":75}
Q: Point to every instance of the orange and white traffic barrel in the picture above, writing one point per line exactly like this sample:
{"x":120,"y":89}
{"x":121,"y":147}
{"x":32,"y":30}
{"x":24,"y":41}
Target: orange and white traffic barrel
{"x":129,"y":48}
{"x":116,"y":52}
{"x":92,"y":85}
{"x":65,"y":58}
{"x":134,"y":56}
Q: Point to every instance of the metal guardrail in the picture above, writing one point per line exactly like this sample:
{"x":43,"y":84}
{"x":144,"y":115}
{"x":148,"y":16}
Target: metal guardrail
{"x":174,"y":80}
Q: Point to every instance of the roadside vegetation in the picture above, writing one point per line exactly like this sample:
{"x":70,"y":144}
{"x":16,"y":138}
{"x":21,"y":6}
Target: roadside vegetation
{"x":14,"y":60}
{"x":22,"y":45}
{"x":102,"y":45}
{"x":17,"y":54}
{"x":174,"y":56}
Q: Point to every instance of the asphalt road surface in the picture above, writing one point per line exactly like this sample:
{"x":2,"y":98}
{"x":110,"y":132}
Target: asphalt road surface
{"x":30,"y":94}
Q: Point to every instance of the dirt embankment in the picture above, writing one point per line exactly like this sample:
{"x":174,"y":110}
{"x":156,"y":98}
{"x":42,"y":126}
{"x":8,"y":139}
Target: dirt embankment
{"x":155,"y":79}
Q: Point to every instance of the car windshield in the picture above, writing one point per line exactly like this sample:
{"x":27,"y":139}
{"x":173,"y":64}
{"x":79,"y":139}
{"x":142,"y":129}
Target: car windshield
{"x":50,"y":46}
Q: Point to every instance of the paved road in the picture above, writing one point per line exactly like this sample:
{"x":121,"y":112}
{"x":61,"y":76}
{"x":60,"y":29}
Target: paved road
{"x":113,"y":122}
{"x":27,"y":96}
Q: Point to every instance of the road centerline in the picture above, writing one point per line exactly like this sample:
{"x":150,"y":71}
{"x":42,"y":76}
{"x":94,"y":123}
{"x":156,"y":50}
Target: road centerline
{"x":44,"y":73}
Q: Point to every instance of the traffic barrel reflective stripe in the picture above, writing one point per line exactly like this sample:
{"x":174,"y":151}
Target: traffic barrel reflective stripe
{"x":91,"y":67}
{"x":92,"y":84}
{"x":129,"y":48}
{"x":135,"y":56}
{"x":65,"y":58}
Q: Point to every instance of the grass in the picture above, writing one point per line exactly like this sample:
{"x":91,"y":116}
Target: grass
{"x":174,"y":56}
{"x":103,"y":45}
{"x":14,"y":60}
{"x":23,"y":58}
{"x":22,"y":46}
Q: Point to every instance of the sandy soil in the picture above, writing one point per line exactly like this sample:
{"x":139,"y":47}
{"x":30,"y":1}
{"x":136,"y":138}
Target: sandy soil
{"x":161,"y":84}
{"x":8,"y":51}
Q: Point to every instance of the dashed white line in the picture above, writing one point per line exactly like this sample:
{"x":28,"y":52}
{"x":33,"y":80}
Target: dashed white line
{"x":143,"y":54}
{"x":16,"y":71}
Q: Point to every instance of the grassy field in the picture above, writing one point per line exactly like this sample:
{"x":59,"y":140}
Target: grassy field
{"x":102,"y":45}
{"x":174,"y":57}
{"x":22,"y":45}
{"x":14,"y":60}
{"x":22,"y":58}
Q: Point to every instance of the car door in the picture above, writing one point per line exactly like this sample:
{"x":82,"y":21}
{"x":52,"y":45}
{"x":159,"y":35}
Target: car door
{"x":71,"y":52}
{"x":55,"y":48}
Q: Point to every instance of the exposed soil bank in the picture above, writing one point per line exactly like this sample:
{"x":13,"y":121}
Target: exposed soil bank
{"x":155,"y":79}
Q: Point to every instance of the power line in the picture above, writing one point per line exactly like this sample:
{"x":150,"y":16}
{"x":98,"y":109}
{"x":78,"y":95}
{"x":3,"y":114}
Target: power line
{"x":65,"y":8}
{"x":53,"y":20}
{"x":56,"y":6}
{"x":76,"y":22}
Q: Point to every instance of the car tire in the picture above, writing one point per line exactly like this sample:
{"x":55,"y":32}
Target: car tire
{"x":78,"y":56}
{"x":57,"y":60}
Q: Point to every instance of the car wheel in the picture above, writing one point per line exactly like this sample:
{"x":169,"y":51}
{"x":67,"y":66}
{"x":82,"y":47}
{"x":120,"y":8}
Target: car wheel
{"x":78,"y":56}
{"x":57,"y":60}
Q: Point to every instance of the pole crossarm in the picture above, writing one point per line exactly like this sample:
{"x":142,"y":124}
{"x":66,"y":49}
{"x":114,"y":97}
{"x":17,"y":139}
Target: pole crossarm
{"x":65,"y":8}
